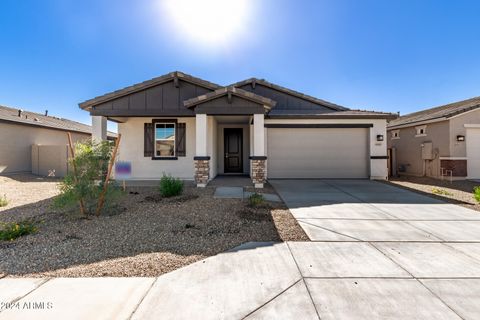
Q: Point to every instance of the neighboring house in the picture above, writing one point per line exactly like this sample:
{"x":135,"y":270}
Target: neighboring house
{"x":442,"y":140}
{"x":23,"y":132}
{"x":193,"y":129}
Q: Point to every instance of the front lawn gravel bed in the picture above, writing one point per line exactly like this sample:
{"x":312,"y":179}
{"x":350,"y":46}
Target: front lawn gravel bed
{"x":145,"y":236}
{"x":459,"y":192}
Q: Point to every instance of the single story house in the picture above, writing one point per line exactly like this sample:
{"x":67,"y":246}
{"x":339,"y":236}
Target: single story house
{"x":37,"y":143}
{"x":439,"y":141}
{"x":194,"y":129}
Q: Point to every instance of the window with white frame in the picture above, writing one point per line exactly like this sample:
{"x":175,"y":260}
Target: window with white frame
{"x":395,"y":134}
{"x":164,"y":140}
{"x":421,"y":131}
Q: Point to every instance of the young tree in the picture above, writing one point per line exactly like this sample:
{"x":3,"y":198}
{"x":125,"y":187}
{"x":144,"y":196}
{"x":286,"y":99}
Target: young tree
{"x":85,"y":184}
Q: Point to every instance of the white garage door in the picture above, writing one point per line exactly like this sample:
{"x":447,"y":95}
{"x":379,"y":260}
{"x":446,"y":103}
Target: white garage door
{"x":473,"y":153}
{"x":317,"y":153}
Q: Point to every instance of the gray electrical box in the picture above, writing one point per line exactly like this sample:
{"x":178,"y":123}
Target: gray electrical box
{"x":427,"y":151}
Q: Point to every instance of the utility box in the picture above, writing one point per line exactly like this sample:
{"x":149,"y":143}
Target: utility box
{"x":427,"y":151}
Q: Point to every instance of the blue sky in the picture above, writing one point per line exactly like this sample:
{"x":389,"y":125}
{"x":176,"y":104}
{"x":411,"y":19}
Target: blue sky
{"x":381,"y":55}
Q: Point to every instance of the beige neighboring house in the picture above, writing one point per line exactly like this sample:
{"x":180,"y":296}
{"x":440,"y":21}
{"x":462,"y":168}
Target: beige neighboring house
{"x":36,"y":143}
{"x":439,"y":141}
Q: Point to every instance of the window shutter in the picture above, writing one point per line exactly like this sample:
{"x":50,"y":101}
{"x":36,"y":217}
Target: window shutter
{"x":180,"y":138}
{"x":148,"y":140}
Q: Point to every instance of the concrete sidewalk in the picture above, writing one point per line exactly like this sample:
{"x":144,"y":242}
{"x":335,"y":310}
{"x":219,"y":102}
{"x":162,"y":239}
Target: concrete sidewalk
{"x":295,"y":280}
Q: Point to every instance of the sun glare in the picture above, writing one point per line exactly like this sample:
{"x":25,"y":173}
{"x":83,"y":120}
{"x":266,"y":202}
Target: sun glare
{"x":209,"y":22}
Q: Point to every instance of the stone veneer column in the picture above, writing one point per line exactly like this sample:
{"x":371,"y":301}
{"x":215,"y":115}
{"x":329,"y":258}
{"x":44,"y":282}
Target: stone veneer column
{"x":259,"y":171}
{"x":202,"y":171}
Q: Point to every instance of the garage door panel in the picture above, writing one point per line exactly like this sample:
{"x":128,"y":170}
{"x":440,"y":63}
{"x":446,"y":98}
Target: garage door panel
{"x":317,"y":153}
{"x":473,"y":153}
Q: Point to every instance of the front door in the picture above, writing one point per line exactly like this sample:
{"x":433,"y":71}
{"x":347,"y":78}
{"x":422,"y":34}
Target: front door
{"x":233,"y":150}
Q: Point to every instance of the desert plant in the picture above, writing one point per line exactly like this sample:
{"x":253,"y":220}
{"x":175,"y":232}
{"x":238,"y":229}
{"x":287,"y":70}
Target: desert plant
{"x":256,"y":200}
{"x":87,"y":183}
{"x":3,"y":201}
{"x":476,"y":193}
{"x":170,"y":186}
{"x":13,"y":230}
{"x":441,"y":192}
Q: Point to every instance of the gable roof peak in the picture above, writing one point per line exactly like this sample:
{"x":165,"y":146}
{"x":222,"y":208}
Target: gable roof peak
{"x":174,"y":75}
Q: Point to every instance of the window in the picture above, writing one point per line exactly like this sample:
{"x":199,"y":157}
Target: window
{"x":395,"y":134}
{"x":421,"y":131}
{"x":164,"y":140}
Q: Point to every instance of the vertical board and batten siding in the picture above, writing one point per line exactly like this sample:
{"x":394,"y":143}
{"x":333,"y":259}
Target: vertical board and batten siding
{"x":160,"y":98}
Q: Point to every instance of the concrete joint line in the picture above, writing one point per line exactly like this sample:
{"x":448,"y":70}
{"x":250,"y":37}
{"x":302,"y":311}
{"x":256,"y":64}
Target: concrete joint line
{"x":143,"y":298}
{"x":303,"y":279}
{"x":416,"y":279}
{"x":336,"y":232}
{"x":438,"y":297}
{"x":270,"y":300}
{"x":26,"y":294}
{"x":459,"y":251}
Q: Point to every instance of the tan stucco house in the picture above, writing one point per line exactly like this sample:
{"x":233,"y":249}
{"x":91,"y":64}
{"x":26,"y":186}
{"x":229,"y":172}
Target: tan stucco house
{"x":194,"y":129}
{"x":37,"y":143}
{"x":439,"y":141}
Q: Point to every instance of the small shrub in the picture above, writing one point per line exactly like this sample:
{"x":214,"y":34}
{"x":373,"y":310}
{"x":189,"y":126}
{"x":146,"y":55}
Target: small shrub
{"x":91,"y":160}
{"x":476,"y":193}
{"x":13,"y":230}
{"x":441,"y":192}
{"x":256,"y":200}
{"x":170,"y":186}
{"x":3,"y":201}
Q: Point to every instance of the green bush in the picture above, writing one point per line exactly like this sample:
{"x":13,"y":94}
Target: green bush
{"x":170,"y":186}
{"x":256,"y":200}
{"x":91,"y":160}
{"x":13,"y":230}
{"x":3,"y":201}
{"x":476,"y":193}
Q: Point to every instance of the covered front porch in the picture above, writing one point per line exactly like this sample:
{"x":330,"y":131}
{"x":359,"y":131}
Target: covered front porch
{"x":230,"y":135}
{"x":230,"y":145}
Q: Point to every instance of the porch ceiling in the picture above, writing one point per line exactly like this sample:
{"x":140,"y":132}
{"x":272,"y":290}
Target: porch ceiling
{"x":232,"y":119}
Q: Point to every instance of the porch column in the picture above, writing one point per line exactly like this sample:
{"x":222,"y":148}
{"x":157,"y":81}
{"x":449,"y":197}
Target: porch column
{"x":258,"y":159}
{"x":99,"y":128}
{"x":201,"y":159}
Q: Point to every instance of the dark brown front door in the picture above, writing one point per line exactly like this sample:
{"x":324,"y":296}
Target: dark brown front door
{"x":233,"y":150}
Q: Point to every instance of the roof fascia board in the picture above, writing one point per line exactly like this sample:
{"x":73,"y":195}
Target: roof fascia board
{"x":418,"y":123}
{"x":464,"y":113}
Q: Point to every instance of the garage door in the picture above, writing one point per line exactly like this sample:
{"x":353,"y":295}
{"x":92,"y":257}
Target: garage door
{"x":473,"y":153}
{"x":317,"y":153}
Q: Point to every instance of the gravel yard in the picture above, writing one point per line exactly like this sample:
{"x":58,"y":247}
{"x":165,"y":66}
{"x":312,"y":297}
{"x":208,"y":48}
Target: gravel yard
{"x":457,"y":192}
{"x":146,"y":236}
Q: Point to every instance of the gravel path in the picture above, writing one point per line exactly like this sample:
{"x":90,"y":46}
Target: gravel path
{"x":147,"y":236}
{"x":457,"y":192}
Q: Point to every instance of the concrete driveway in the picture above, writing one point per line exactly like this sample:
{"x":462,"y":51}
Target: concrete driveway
{"x":378,"y":252}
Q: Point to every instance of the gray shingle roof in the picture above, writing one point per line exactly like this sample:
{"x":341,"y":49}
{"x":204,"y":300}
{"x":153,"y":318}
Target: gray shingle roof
{"x":225,"y":90}
{"x":332,"y":114}
{"x":290,"y":92}
{"x":37,"y":119}
{"x":445,"y":111}
{"x":147,"y":84}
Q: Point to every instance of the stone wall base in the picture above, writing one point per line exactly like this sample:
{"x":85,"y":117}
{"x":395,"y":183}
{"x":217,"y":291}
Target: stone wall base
{"x":259,"y":172}
{"x":202,"y":172}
